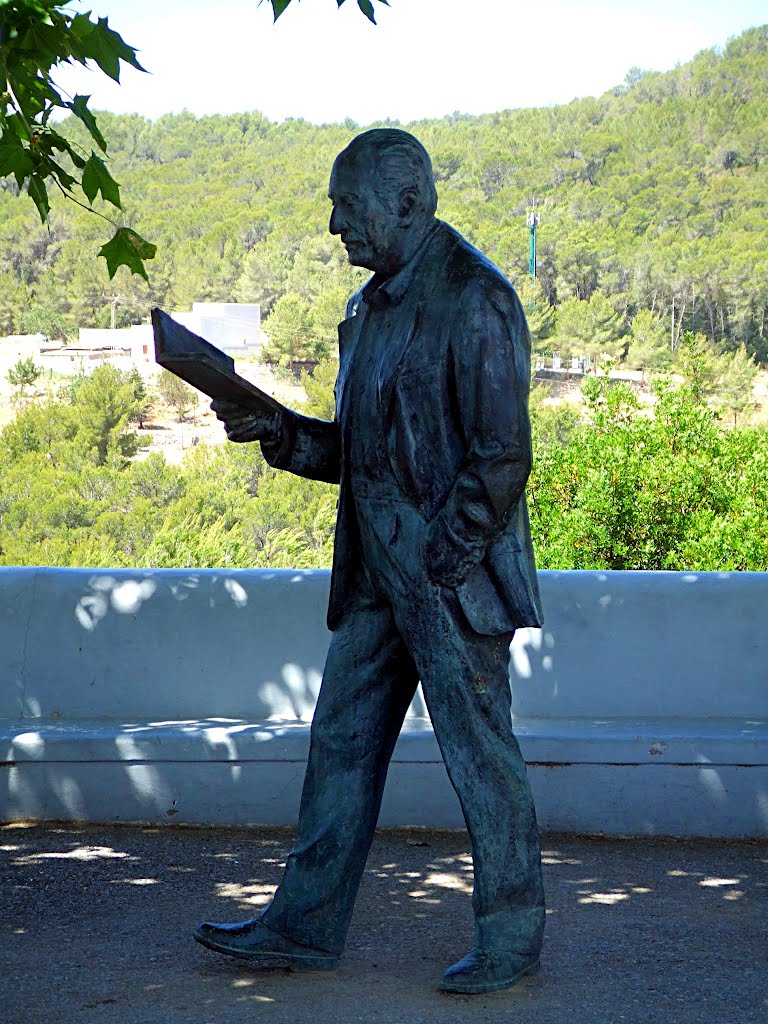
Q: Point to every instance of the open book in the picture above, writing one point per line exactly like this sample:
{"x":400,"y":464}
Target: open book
{"x":204,"y":366}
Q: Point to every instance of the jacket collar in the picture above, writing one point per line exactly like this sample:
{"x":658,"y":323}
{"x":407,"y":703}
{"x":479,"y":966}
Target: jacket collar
{"x":382,"y":292}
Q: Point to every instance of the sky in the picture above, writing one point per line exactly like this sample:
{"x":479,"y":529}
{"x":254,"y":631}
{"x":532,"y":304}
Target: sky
{"x":426,"y":58}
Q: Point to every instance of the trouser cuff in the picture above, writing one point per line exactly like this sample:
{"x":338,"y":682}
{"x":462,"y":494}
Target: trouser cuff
{"x":513,"y":931}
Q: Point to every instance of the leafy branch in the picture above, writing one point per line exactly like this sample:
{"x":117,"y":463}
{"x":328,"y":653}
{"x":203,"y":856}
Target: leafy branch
{"x":35,"y":37}
{"x":366,"y":6}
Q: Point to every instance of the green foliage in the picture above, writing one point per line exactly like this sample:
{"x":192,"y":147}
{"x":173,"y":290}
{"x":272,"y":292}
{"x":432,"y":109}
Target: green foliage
{"x":90,"y":430}
{"x":653,"y":199}
{"x":588,"y":327}
{"x":24,"y":374}
{"x":13,"y":298}
{"x":105,"y":405}
{"x":327,"y":312}
{"x":39,"y":319}
{"x":39,"y":428}
{"x":366,"y":6}
{"x":617,"y":488}
{"x":637,"y":205}
{"x":539,"y":313}
{"x":648,"y":346}
{"x":292,"y":338}
{"x":698,"y":363}
{"x":725,"y":379}
{"x":142,"y":397}
{"x":552,"y":423}
{"x":265,"y":272}
{"x":177,"y":393}
{"x":127,"y":248}
{"x":630,"y":491}
{"x":735,"y":387}
{"x":318,"y":387}
{"x":36,"y":36}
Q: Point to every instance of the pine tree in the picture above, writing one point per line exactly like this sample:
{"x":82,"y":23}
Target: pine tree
{"x":24,"y":374}
{"x":177,"y":393}
{"x":290,"y":330}
{"x":649,"y":347}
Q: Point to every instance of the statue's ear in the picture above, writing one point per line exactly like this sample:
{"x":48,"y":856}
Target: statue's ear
{"x":407,"y":204}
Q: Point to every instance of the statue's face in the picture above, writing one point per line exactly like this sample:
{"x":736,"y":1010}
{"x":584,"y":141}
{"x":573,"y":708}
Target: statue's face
{"x":371,"y":229}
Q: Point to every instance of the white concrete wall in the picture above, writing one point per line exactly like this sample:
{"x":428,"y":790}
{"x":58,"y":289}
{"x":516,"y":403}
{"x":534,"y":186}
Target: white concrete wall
{"x":185,"y":696}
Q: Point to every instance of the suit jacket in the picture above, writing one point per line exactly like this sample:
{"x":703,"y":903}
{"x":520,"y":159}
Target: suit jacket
{"x":454,"y":396}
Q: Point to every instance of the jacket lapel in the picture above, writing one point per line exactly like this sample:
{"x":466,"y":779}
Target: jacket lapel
{"x":408,"y":315}
{"x":349,"y":333}
{"x":405,"y":325}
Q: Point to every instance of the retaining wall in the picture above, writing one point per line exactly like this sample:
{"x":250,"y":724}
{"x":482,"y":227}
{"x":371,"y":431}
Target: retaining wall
{"x":186,"y":696}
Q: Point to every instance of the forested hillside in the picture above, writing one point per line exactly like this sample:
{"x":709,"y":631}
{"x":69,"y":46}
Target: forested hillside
{"x":654,"y":199}
{"x":653,"y":248}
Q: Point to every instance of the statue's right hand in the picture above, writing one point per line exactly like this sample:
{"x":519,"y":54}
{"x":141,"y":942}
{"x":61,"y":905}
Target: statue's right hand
{"x":243,"y":424}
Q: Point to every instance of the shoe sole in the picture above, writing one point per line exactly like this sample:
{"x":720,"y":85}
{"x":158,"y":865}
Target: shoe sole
{"x":478,"y":987}
{"x":296,"y":962}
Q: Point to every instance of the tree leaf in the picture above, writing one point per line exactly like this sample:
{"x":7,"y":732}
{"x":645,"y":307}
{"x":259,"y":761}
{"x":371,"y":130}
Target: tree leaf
{"x":127,"y":249}
{"x":101,"y":43}
{"x":278,"y":6}
{"x":96,"y":178}
{"x":367,"y":8}
{"x":75,"y":157}
{"x":14,"y":158}
{"x":39,"y":195}
{"x":13,"y":125}
{"x":79,"y":107}
{"x":65,"y":178}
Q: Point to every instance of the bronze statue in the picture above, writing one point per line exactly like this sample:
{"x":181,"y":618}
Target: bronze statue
{"x":433,"y":567}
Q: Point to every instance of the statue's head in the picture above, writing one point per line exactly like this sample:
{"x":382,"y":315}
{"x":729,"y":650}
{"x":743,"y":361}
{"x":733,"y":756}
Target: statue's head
{"x":384,"y":199}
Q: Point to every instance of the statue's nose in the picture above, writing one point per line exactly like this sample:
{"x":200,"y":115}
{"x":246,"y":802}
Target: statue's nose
{"x":336,"y":222}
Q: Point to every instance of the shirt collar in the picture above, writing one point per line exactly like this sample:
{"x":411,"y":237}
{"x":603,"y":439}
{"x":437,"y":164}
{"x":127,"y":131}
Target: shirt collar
{"x":382,"y":292}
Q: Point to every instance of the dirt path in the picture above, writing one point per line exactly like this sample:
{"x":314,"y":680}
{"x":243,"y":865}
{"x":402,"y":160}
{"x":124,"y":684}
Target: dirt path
{"x":97,"y":923}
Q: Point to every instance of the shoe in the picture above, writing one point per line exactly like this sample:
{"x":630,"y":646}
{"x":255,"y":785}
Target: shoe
{"x":254,"y":941}
{"x":484,"y":971}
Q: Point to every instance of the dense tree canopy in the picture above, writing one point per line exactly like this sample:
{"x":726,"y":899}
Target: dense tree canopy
{"x":617,"y":490}
{"x":653,"y":197}
{"x":654,"y":203}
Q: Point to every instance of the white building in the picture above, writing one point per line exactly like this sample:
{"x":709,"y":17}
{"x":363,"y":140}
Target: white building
{"x":231,"y":326}
{"x":227,"y":325}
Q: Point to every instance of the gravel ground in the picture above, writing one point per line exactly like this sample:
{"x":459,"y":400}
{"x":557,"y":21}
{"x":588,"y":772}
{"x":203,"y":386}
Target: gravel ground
{"x":97,"y":922}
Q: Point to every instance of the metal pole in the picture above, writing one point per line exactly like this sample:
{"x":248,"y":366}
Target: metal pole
{"x":532,"y":220}
{"x":532,"y":248}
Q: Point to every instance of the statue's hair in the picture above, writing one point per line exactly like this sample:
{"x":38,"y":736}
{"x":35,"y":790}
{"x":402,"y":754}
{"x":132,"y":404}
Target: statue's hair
{"x":398,"y":160}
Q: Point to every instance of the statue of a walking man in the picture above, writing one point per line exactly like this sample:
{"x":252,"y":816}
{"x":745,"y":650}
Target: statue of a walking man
{"x":433,"y":568}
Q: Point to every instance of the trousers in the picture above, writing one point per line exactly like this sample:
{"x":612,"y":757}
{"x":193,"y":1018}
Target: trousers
{"x":401,"y":629}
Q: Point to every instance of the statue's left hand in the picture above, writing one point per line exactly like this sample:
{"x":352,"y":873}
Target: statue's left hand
{"x":445,"y":565}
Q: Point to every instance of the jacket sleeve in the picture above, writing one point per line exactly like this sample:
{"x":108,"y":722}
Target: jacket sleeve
{"x":490,"y":351}
{"x":306,"y":447}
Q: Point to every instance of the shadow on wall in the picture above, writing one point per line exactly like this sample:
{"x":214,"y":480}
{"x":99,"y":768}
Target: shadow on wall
{"x":201,"y":675}
{"x":145,"y":647}
{"x":644,"y":645}
{"x":232,"y":786}
{"x":293,"y":693}
{"x":251,"y":645}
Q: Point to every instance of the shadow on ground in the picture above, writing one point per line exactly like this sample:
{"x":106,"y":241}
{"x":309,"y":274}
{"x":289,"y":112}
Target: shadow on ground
{"x":97,"y":923}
